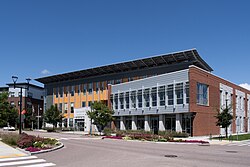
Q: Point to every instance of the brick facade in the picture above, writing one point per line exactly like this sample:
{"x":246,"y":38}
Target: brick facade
{"x":204,"y":122}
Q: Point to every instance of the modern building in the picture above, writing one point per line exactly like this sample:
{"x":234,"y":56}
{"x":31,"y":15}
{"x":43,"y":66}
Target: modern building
{"x":32,"y":99}
{"x":175,"y":92}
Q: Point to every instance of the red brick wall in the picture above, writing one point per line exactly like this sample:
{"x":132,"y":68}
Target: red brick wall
{"x":204,"y":122}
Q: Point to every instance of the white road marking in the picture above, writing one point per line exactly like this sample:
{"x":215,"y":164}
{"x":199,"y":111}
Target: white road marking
{"x":22,"y":162}
{"x":17,"y":158}
{"x":40,"y":165}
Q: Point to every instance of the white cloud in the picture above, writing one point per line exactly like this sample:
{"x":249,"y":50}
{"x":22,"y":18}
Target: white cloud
{"x":245,"y":85}
{"x":45,"y":71}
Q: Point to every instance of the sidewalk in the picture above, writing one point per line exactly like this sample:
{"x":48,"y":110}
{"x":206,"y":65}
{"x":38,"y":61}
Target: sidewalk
{"x":213,"y":141}
{"x":9,"y":152}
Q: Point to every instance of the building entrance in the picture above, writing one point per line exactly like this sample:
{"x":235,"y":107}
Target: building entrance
{"x":154,"y":124}
{"x":79,"y":124}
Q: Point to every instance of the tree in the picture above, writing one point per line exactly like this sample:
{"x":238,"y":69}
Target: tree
{"x":53,"y":116}
{"x":100,"y":114}
{"x":30,"y":118}
{"x":8,"y":113}
{"x":224,"y":118}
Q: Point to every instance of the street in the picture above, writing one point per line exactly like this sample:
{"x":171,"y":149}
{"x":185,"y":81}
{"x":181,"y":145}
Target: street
{"x":83,"y":151}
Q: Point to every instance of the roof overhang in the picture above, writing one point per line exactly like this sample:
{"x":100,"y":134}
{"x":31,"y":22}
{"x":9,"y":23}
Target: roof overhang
{"x":191,"y":56}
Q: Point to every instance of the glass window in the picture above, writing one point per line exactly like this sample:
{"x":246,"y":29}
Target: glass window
{"x":139,"y":98}
{"x":202,"y":94}
{"x":61,"y":91}
{"x":179,"y":93}
{"x":170,"y":93}
{"x":67,"y":90}
{"x":116,"y":101}
{"x":84,"y":89}
{"x":102,"y":86}
{"x":146,"y":97}
{"x":12,"y":103}
{"x":72,"y":107}
{"x":112,"y":100}
{"x":127,"y":100}
{"x":97,"y":87}
{"x":162,"y":95}
{"x":154,"y":96}
{"x":187,"y":92}
{"x":90,"y":88}
{"x":133,"y":99}
{"x":118,"y":81}
{"x":65,"y":107}
{"x":72,"y":92}
{"x":89,"y":103}
{"x":57,"y":90}
{"x":83,"y":104}
{"x":79,"y":89}
{"x":60,"y":107}
{"x":121,"y":98}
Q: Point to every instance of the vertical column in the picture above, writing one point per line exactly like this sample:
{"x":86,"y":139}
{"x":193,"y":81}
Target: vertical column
{"x":142,"y":97}
{"x":146,"y":123}
{"x":174,"y":95}
{"x":184,"y":93}
{"x":134,"y":121}
{"x":157,"y":96}
{"x":161,"y":122}
{"x":122,"y":123}
{"x":178,"y":123}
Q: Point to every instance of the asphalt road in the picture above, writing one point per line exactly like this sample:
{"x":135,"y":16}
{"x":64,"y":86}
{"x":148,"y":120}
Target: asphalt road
{"x":80,"y":151}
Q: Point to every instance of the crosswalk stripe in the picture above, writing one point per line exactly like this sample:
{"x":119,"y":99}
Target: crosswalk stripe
{"x":17,"y":158}
{"x":22,"y":162}
{"x":40,"y":165}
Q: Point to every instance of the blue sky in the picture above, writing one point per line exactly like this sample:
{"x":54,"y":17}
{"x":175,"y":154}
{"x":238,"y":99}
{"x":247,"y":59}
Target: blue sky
{"x":43,"y":37}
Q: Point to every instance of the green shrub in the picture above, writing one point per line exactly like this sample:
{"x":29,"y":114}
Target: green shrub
{"x":107,"y":131}
{"x":10,"y":138}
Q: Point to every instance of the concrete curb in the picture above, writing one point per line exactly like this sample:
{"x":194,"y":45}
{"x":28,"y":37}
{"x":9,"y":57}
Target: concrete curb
{"x":23,"y":151}
{"x":49,"y":150}
{"x":42,"y":151}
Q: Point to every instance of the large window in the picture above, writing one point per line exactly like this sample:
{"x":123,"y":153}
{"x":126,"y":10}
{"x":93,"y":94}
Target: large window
{"x":116,"y":101}
{"x":97,"y":87}
{"x":65,"y":107}
{"x":83,"y":104}
{"x":72,"y":91}
{"x":202,"y":94}
{"x":60,"y":107}
{"x":133,"y":99}
{"x":127,"y":100}
{"x":84,"y":89}
{"x":57,"y":89}
{"x":121,"y":98}
{"x":170,"y":93}
{"x":90,"y":88}
{"x":154,"y":96}
{"x":179,"y":93}
{"x":139,"y":98}
{"x":146,"y":97}
{"x":72,"y":107}
{"x":162,"y":95}
{"x":61,"y":91}
{"x":187,"y":92}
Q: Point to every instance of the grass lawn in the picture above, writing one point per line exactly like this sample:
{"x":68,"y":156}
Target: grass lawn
{"x":234,"y":137}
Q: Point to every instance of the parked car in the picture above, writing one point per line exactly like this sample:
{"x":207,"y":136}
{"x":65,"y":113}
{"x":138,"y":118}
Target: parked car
{"x":9,"y":128}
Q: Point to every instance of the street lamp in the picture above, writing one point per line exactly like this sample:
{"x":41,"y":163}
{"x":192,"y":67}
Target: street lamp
{"x":15,"y":78}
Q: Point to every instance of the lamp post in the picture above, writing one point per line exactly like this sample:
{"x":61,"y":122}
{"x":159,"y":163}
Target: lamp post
{"x":14,"y":78}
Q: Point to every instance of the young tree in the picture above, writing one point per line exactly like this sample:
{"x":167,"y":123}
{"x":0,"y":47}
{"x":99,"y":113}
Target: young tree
{"x":224,"y":118}
{"x":8,"y":114}
{"x":53,"y":116}
{"x":100,"y":114}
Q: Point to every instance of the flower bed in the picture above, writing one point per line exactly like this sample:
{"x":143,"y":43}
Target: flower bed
{"x":155,"y":138}
{"x":28,"y":142}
